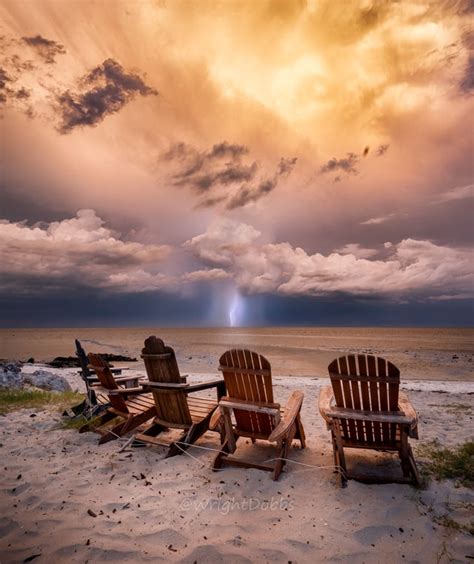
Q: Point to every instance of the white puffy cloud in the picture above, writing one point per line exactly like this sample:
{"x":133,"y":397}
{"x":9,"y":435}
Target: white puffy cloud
{"x":413,"y":267}
{"x":79,"y":251}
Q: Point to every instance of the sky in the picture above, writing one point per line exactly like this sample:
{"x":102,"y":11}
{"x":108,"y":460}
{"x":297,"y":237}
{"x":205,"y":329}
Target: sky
{"x":236,"y":162}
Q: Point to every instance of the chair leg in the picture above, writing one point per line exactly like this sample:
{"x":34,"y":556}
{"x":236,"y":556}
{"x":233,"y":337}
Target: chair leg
{"x":222,"y":454}
{"x":404,"y":454}
{"x":189,"y":437}
{"x":174,"y":449}
{"x":413,"y":467}
{"x":282,"y":455}
{"x":131,"y":423}
{"x":98,"y":422}
{"x":341,"y":462}
{"x":300,"y":431}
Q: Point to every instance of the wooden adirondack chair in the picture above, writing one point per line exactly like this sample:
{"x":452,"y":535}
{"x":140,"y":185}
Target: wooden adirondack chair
{"x":364,"y":408}
{"x":175,"y":408}
{"x":248,"y":380}
{"x":96,"y":400}
{"x":130,"y":404}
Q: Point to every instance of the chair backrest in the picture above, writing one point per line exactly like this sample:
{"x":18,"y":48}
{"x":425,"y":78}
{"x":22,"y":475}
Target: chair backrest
{"x":107,"y":380}
{"x":368,"y":383}
{"x":161,"y":366}
{"x":83,"y":362}
{"x":248,"y":377}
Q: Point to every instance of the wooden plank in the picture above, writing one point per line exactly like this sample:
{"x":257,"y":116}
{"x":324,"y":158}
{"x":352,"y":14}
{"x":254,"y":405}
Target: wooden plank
{"x":346,"y":389}
{"x":249,"y":406}
{"x":245,"y":464}
{"x":252,"y":371}
{"x":365,"y":396}
{"x":337,"y":386}
{"x":362,"y":378}
{"x":362,"y":415}
{"x":383,"y":392}
{"x":357,"y":405}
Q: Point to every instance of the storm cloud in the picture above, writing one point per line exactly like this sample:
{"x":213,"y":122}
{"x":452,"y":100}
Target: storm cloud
{"x":410,"y":267}
{"x":78,"y":251}
{"x":46,"y":48}
{"x":346,"y":164}
{"x":103,"y":91}
{"x":222,"y":174}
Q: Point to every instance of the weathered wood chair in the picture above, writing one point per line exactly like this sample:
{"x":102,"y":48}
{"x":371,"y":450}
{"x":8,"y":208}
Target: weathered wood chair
{"x":248,"y":380}
{"x":364,"y":408}
{"x":175,"y":407}
{"x":132,"y":405}
{"x":96,"y":400}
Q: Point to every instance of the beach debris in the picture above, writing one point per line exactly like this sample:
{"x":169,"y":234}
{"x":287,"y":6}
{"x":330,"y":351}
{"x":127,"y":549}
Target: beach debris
{"x":73,"y":361}
{"x":91,"y":513}
{"x":32,"y":557}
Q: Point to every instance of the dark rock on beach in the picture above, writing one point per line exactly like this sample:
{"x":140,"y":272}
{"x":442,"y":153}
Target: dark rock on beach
{"x":73,"y":361}
{"x":109,"y":357}
{"x":11,"y":377}
{"x":64,"y":362}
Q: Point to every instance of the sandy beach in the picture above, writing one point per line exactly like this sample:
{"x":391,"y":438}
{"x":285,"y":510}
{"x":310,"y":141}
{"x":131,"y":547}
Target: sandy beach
{"x":66,"y":499}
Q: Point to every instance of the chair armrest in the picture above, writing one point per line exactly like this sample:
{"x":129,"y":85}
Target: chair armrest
{"x":408,"y":410}
{"x":325,"y":399}
{"x":215,"y":420}
{"x":219,"y":384}
{"x":170,"y":386}
{"x":360,"y":415}
{"x":292,"y":409}
{"x":126,"y":379}
{"x":245,"y":405}
{"x":125,"y":392}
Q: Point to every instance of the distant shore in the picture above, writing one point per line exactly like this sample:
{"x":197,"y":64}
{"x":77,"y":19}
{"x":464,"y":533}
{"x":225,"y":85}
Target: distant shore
{"x":421,"y":354}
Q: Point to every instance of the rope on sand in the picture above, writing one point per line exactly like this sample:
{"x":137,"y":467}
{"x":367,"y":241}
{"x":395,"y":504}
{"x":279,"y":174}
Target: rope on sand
{"x":185,"y":446}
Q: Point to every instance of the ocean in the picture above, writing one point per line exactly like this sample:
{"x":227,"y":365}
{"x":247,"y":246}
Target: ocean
{"x":424,"y":354}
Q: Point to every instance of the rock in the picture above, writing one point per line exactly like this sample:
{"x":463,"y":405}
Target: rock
{"x":30,"y":361}
{"x":47,"y":381}
{"x":109,"y":357}
{"x":73,"y":361}
{"x":10,"y":374}
{"x":64,"y":362}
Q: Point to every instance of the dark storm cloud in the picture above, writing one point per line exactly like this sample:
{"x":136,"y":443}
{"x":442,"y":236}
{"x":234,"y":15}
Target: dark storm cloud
{"x":103,"y":91}
{"x":248,"y":194}
{"x":349,"y":163}
{"x":381,"y":150}
{"x":221,"y":174}
{"x":202,"y":170}
{"x":346,"y":164}
{"x":8,"y":93}
{"x":467,"y":83}
{"x":47,"y":49}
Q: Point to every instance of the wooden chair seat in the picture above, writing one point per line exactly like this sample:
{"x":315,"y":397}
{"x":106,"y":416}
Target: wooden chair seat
{"x":200,"y":408}
{"x":137,"y":404}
